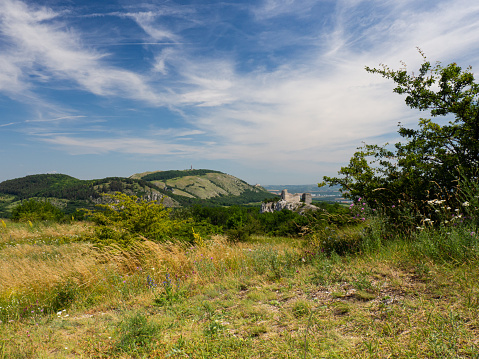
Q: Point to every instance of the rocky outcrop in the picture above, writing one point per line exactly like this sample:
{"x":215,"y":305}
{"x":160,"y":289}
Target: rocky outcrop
{"x":271,"y":207}
{"x":148,"y":196}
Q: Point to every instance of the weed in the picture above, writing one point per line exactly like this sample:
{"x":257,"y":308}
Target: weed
{"x":362,"y":283}
{"x":213,"y":328}
{"x":456,"y":245}
{"x":64,"y":295}
{"x":301,"y":308}
{"x":363,"y":295}
{"x":136,"y":334}
{"x":341,"y":308}
{"x":257,"y":330}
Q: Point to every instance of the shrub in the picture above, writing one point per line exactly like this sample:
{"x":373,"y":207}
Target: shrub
{"x":126,"y":219}
{"x":136,"y":333}
{"x":34,"y":210}
{"x":400,"y":180}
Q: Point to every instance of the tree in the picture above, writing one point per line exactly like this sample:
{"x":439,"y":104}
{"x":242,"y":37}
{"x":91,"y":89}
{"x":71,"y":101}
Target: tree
{"x":434,"y":157}
{"x":35,"y":210}
{"x":125,"y":219}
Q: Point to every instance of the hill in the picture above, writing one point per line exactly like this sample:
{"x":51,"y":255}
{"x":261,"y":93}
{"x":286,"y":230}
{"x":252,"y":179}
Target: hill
{"x":204,"y":186}
{"x":174,"y":188}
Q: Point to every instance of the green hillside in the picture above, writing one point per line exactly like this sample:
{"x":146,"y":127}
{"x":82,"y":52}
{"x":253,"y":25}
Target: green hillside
{"x":205,"y":186}
{"x":70,"y":193}
{"x":38,"y":185}
{"x":174,"y":188}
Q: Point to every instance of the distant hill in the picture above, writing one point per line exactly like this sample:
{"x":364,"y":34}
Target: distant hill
{"x":204,"y":186}
{"x":173,"y":188}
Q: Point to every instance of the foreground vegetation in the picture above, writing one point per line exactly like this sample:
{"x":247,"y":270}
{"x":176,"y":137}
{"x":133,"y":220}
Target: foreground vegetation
{"x":275,"y":297}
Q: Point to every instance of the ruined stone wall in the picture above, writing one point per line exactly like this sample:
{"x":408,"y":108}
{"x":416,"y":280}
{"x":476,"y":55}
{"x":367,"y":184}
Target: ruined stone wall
{"x":290,"y":197}
{"x":307,"y":198}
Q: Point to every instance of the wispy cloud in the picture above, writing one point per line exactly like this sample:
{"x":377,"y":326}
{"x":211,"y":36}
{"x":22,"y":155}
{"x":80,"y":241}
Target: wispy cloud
{"x":40,"y":43}
{"x":274,"y":84}
{"x":272,"y":8}
{"x":176,"y":132}
{"x":148,"y":22}
{"x":132,"y":145}
{"x":8,"y":124}
{"x":57,"y":119}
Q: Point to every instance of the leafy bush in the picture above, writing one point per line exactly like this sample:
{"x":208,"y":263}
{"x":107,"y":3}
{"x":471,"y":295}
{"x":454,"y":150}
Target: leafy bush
{"x":126,"y":219}
{"x":427,"y":165}
{"x":240,"y":234}
{"x":34,"y":210}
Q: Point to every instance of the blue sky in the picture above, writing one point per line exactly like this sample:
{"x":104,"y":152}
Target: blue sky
{"x":274,"y":92}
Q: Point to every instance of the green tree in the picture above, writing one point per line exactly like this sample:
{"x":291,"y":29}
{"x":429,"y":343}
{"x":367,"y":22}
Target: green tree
{"x":433,"y":158}
{"x":126,"y":219}
{"x":34,"y":210}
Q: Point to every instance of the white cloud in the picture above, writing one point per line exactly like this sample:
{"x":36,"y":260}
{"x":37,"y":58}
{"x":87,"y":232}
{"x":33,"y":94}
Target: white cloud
{"x":147,"y":21}
{"x":133,"y":145}
{"x":176,"y":132}
{"x":273,"y":8}
{"x":49,"y":47}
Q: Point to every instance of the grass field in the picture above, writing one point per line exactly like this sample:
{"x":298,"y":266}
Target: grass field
{"x":61,"y":297}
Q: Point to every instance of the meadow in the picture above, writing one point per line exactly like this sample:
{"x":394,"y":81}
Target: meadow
{"x":355,"y":291}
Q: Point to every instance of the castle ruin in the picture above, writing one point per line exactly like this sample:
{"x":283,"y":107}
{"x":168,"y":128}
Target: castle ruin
{"x":292,"y":201}
{"x":296,"y":197}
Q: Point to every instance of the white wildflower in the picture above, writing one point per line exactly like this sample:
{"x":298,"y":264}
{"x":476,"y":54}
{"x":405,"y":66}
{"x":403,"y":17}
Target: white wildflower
{"x":466,"y":204}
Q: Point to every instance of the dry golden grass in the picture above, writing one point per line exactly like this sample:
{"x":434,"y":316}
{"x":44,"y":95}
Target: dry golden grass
{"x":20,"y":232}
{"x":37,"y":268}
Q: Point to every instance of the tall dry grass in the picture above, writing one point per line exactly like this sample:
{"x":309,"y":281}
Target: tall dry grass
{"x":37,"y":269}
{"x":12,"y":233}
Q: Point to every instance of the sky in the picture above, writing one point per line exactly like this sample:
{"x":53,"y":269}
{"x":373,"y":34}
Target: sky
{"x":273,"y":92}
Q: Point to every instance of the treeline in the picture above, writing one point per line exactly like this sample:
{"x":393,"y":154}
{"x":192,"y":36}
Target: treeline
{"x":166,"y":175}
{"x":240,"y":221}
{"x":248,"y":196}
{"x":36,"y":185}
{"x":70,"y":188}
